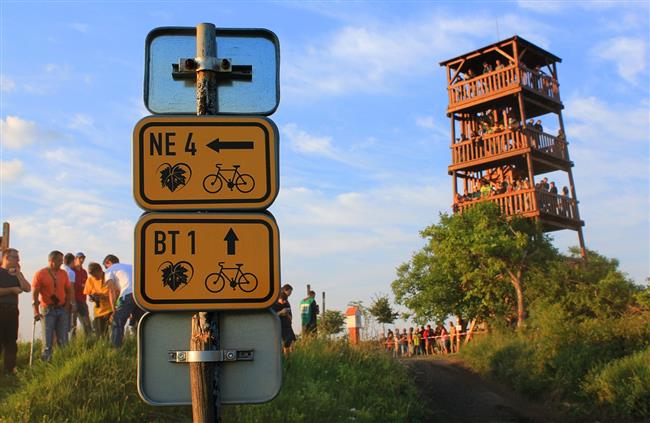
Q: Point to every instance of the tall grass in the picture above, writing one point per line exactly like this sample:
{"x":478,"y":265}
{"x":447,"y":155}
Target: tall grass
{"x":585,"y":364}
{"x":324,"y":381}
{"x":331,"y":381}
{"x":88,"y":381}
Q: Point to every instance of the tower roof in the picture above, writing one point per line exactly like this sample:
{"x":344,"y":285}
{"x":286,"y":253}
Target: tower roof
{"x":538,"y":53}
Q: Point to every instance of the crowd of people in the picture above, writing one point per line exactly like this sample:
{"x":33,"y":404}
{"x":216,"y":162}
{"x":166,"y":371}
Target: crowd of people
{"x":423,"y":340}
{"x":60,"y":292}
{"x":534,"y":78}
{"x":487,"y":189}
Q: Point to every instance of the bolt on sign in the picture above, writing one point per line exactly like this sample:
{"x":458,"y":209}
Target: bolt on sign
{"x":191,"y":261}
{"x":205,"y":162}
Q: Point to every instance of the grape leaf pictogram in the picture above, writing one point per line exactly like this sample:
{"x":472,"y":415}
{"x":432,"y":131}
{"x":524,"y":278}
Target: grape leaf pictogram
{"x":176,"y":275}
{"x":174,"y":177}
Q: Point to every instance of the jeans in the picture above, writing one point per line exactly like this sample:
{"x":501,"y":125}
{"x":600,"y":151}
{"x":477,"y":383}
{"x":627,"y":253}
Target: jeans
{"x":82,"y":315}
{"x":100,"y":325}
{"x":9,"y":335}
{"x":126,"y":307}
{"x":55,"y":320}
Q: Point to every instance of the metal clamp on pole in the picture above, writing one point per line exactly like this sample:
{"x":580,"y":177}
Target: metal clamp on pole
{"x":186,"y":68}
{"x":214,"y":356}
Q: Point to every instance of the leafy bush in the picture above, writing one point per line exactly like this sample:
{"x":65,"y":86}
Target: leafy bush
{"x":622,"y":387}
{"x":557,"y":358}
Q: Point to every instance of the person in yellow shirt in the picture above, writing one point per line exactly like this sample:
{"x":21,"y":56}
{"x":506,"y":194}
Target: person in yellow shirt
{"x":97,"y":290}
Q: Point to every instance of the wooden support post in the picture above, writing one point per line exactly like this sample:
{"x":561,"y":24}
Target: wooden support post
{"x":204,"y":377}
{"x":572,"y":188}
{"x":470,"y":330}
{"x":323,"y":311}
{"x":308,"y":289}
{"x":455,"y":184}
{"x":4,"y":241}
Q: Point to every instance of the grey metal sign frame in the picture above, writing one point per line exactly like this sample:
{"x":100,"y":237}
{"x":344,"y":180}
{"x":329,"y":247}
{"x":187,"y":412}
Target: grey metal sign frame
{"x":233,"y":89}
{"x":164,"y":381}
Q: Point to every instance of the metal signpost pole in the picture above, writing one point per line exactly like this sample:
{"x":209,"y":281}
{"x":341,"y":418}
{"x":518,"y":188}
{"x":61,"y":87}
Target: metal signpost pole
{"x":204,"y":377}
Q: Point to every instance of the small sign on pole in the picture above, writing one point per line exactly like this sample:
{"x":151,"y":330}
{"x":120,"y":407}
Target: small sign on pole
{"x":190,"y":261}
{"x":205,"y":162}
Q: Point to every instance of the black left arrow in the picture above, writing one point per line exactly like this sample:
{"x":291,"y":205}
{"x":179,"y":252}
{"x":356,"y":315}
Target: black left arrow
{"x":217,"y":145}
{"x":231,"y":238}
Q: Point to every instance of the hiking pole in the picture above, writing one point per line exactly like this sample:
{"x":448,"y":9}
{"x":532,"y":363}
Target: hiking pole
{"x":31,"y":347}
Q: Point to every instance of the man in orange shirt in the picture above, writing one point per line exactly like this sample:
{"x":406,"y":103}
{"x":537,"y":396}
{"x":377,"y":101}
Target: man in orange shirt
{"x":56,"y":300}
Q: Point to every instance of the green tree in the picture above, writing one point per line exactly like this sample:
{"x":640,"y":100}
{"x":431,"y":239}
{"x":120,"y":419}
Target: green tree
{"x":332,"y":322}
{"x":381,"y":310}
{"x":474,"y":262}
{"x":594,"y":288}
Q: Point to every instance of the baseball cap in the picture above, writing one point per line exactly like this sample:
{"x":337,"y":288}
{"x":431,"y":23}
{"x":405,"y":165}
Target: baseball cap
{"x":80,"y":254}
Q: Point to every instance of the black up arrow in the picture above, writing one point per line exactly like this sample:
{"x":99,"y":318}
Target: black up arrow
{"x":231,"y":238}
{"x":217,"y":145}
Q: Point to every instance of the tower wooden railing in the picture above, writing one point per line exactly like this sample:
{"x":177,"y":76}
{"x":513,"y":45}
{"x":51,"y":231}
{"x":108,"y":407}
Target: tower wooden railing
{"x":490,"y":145}
{"x":529,"y":201}
{"x":539,"y":82}
{"x":482,"y":85}
{"x":502,"y":79}
{"x":557,"y":205}
{"x":547,"y":143}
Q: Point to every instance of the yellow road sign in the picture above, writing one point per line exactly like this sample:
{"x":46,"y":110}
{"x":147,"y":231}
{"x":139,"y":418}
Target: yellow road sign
{"x":205,"y":162}
{"x":206,"y":261}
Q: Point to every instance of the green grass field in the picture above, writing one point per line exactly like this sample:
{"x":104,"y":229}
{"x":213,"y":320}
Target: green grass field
{"x":324,"y":381}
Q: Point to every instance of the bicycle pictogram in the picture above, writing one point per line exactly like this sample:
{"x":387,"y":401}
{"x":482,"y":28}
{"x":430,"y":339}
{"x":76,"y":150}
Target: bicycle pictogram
{"x":242,"y":181}
{"x":215,"y":282}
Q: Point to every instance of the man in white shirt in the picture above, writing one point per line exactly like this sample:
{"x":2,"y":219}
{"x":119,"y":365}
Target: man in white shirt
{"x":119,"y":279}
{"x":68,"y":264}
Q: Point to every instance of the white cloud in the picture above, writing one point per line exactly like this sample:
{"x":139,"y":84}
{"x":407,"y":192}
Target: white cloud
{"x":627,"y":53}
{"x":10,"y":170}
{"x":17,"y":133}
{"x":376,"y":57}
{"x":600,"y":124}
{"x":7,"y":85}
{"x":541,"y":6}
{"x":81,"y":27}
{"x":81,"y":121}
{"x":306,"y":143}
{"x":429,"y":122}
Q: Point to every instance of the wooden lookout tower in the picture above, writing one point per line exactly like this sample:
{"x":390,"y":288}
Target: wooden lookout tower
{"x":500,"y":98}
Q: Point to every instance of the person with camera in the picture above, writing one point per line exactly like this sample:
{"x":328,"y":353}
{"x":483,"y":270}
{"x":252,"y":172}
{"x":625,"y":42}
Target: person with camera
{"x":97,"y":291}
{"x":12,"y":283}
{"x":53,"y":292}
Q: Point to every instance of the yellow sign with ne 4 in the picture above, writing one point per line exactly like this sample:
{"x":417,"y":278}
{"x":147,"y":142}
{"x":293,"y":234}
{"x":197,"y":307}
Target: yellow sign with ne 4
{"x":206,"y":261}
{"x":205,"y":162}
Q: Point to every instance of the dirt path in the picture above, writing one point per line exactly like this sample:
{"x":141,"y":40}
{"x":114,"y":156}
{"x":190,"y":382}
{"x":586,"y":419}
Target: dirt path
{"x":456,"y":395}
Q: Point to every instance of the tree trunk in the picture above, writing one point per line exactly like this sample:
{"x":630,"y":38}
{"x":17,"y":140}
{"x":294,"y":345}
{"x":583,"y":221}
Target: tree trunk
{"x":516,"y":282}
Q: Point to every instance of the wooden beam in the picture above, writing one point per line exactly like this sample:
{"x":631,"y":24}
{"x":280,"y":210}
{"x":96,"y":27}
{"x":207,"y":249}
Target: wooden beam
{"x":453,"y":78}
{"x":522,"y":53}
{"x":506,"y":55}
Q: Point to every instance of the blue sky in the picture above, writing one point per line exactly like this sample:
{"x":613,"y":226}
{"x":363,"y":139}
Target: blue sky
{"x":363,"y":132}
